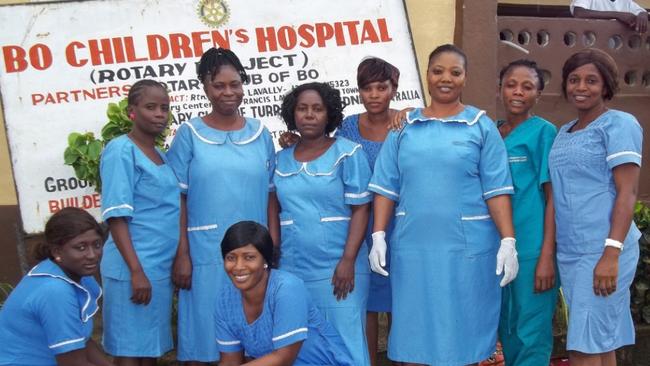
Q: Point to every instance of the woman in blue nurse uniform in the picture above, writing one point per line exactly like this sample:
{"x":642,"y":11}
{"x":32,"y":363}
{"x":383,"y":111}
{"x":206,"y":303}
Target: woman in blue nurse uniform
{"x":225,"y":163}
{"x":321,"y":186}
{"x":448,"y":171}
{"x":48,"y":318}
{"x":141,"y":203}
{"x":267,"y":314}
{"x":594,"y":164}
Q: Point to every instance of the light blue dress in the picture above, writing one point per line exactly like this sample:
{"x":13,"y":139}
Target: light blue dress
{"x":147,"y":196}
{"x":526,"y":324}
{"x":584,"y":193}
{"x":288,"y":316}
{"x":47,"y":314}
{"x":315,"y":199}
{"x":446,"y":296}
{"x":226,"y":176}
{"x":379,"y":294}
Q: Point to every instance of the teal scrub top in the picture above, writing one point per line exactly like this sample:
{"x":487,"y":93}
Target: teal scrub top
{"x":528,"y":146}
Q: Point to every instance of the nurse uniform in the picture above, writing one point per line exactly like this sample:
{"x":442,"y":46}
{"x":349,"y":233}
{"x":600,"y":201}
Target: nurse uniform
{"x":288,"y":316}
{"x":147,"y":196}
{"x":584,"y":193}
{"x":315,"y":198}
{"x":446,"y":296}
{"x":47,"y":314}
{"x":226,"y":176}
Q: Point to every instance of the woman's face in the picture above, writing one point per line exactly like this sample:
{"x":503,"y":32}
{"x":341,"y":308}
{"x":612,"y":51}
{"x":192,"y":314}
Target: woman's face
{"x":310,"y":114}
{"x":585,"y":88}
{"x":519,"y":90}
{"x":245,"y":267}
{"x":151,"y":112}
{"x":80,"y":256}
{"x":446,"y":77}
{"x":376,"y":96}
{"x":224,"y":90}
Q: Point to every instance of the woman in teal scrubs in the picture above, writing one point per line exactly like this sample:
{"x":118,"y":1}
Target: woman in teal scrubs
{"x":528,"y":302}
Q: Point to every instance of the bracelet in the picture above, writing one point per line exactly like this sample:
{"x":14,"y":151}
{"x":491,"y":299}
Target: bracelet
{"x":613,"y":243}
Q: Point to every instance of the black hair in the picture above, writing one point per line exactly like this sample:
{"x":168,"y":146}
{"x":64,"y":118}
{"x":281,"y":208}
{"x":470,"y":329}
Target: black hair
{"x":244,"y":233}
{"x":331,"y":98}
{"x":448,"y":48}
{"x":374,"y":69}
{"x":213,"y":59}
{"x":63,"y":226}
{"x":604,"y":63}
{"x":532,"y":65}
{"x":139,"y":87}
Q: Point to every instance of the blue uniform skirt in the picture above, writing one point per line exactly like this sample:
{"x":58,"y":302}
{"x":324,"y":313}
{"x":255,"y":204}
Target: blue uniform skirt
{"x":132,"y":330}
{"x":347,"y":316}
{"x":196,"y":307}
{"x":597,"y":324}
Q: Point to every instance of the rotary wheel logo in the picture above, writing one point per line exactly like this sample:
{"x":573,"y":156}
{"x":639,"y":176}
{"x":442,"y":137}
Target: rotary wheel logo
{"x":213,"y":13}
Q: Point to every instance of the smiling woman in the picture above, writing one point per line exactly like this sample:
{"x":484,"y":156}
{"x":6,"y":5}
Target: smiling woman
{"x":267,"y":314}
{"x":47,"y":319}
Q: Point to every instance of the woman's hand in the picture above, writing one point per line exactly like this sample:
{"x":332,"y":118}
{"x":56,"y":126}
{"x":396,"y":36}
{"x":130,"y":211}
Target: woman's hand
{"x":182,"y":271}
{"x":288,"y":139}
{"x":606,"y":272}
{"x":399,"y":119}
{"x":545,"y":273}
{"x":343,"y":279}
{"x":140,"y":288}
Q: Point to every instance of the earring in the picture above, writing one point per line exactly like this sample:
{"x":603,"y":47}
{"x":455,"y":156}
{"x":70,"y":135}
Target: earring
{"x":58,"y":259}
{"x":266,"y":266}
{"x":131,"y":116}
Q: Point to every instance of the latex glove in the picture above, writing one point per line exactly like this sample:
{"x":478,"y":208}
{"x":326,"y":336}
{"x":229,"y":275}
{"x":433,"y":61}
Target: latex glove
{"x":507,"y":261}
{"x":377,"y":256}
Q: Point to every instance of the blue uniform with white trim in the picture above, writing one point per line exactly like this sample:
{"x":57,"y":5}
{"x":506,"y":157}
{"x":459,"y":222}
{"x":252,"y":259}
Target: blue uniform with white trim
{"x":584,"y":193}
{"x":288,"y":316}
{"x":147,"y":196}
{"x":446,"y":296}
{"x":379,"y":294}
{"x":315,"y":198}
{"x":47,"y":314}
{"x":226,"y":176}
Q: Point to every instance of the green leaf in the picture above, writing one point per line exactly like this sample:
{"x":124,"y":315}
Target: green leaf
{"x":94,"y":149}
{"x":70,"y":156}
{"x":73,"y":137}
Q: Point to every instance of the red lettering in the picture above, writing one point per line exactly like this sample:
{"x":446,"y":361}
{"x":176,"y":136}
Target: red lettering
{"x":306,"y":32}
{"x":287,"y":37}
{"x":15,"y":58}
{"x":158,"y":47}
{"x":40,"y":56}
{"x":324,"y":31}
{"x":71,"y":54}
{"x":180,"y":45}
{"x":266,"y":40}
{"x":130,"y":50}
{"x":100,"y":51}
{"x":368,"y":33}
{"x":198,"y":40}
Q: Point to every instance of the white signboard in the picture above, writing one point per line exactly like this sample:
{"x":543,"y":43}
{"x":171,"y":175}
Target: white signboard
{"x":62,"y":63}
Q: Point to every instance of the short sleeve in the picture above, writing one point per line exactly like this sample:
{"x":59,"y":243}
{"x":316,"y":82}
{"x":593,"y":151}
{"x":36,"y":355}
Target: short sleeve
{"x":60,"y":316}
{"x":180,"y":156}
{"x":544,"y":144}
{"x":356,"y":175}
{"x":386,"y":177}
{"x":585,"y":4}
{"x":623,"y":140}
{"x":226,"y":338}
{"x":270,"y":158}
{"x":290,"y":313}
{"x":494,"y":171}
{"x":117,"y":171}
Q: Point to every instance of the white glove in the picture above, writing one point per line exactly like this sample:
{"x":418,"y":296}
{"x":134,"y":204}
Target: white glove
{"x":377,"y":256}
{"x":507,"y":261}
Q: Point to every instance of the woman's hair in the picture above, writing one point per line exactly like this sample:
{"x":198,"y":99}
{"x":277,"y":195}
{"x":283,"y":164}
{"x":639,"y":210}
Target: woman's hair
{"x":244,"y":233}
{"x":532,"y":65}
{"x":64,"y":226}
{"x":213,"y":59}
{"x":448,"y":48}
{"x":602,"y":61}
{"x":140,"y":86}
{"x":331,"y":98}
{"x":374,"y":69}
